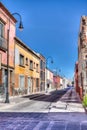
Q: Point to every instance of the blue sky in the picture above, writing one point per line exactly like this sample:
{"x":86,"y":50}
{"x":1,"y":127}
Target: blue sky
{"x":51,"y":27}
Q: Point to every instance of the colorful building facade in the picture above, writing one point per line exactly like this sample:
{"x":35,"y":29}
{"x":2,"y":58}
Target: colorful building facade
{"x":48,"y":79}
{"x":42,"y":72}
{"x":82,"y":57}
{"x":7,"y":34}
{"x":27,"y":68}
{"x":18,"y":63}
{"x":22,"y":70}
{"x":56,"y":80}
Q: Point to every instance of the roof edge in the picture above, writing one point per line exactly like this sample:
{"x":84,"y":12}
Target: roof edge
{"x":7,"y":12}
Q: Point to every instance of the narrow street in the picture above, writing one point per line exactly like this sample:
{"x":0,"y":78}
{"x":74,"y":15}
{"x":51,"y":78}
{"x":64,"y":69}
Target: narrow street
{"x":43,"y":65}
{"x":40,"y":102}
{"x":61,"y":109}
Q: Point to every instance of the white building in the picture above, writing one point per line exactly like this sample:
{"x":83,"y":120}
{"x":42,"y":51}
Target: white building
{"x":48,"y":79}
{"x":65,"y":82}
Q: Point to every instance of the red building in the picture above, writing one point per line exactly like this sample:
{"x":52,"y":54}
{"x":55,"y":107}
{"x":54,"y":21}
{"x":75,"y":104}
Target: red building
{"x":76,"y":78}
{"x":79,"y":89}
{"x":56,"y":80}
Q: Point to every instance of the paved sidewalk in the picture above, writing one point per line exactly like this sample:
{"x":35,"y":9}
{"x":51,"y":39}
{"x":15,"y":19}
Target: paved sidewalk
{"x":12,"y":102}
{"x":70,"y":102}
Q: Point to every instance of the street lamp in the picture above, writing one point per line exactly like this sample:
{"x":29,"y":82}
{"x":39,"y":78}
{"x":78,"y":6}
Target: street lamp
{"x":20,"y":23}
{"x":8,"y":37}
{"x":46,"y":70}
{"x":48,"y":59}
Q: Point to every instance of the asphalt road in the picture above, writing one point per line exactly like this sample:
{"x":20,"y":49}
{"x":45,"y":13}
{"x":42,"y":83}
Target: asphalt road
{"x":37,"y":102}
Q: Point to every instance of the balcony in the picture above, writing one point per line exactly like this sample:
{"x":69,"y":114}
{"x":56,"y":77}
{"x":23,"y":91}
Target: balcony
{"x":3,"y":44}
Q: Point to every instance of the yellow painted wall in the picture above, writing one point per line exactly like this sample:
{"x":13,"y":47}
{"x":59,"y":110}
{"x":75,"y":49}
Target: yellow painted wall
{"x":25,"y":70}
{"x":19,"y":70}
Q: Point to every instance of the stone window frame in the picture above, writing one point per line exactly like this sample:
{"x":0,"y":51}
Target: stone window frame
{"x":3,"y":29}
{"x":31,"y":64}
{"x":20,"y":63}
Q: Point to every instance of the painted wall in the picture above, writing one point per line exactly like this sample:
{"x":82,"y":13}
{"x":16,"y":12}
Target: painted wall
{"x":61,"y":82}
{"x":24,"y":70}
{"x":49,"y":78}
{"x":7,"y":39}
{"x":56,"y":80}
{"x":9,"y":25}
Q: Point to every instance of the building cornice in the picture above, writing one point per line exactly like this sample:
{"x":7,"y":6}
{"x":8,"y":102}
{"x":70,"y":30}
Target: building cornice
{"x":19,"y":42}
{"x":7,"y":12}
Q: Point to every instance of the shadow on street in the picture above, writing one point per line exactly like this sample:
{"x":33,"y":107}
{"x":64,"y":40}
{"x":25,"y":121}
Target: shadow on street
{"x":53,"y":96}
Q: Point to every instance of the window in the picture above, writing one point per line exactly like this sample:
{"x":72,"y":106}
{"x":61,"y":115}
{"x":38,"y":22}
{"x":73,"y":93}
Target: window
{"x":42,"y":64}
{"x":3,"y":41}
{"x":31,"y":65}
{"x":21,"y":81}
{"x":0,"y":59}
{"x":26,"y":61}
{"x":37,"y":84}
{"x":83,"y":21}
{"x":1,"y":29}
{"x":21,"y":60}
{"x":42,"y":75}
{"x":34,"y":65}
{"x":37,"y":69}
{"x":86,"y":63}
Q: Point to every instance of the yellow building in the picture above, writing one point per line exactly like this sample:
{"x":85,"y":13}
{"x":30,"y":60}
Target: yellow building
{"x":27,"y":69}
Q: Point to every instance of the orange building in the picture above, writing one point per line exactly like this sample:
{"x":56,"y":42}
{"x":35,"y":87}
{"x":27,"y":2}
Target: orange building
{"x":27,"y":69}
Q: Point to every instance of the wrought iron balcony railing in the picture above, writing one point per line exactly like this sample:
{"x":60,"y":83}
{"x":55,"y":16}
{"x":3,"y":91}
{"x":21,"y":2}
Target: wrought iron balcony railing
{"x":3,"y":43}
